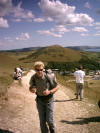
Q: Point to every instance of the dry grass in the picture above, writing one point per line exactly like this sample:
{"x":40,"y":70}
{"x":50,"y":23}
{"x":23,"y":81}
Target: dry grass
{"x":7,"y":65}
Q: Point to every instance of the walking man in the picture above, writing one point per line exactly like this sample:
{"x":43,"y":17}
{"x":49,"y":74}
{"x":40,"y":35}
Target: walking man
{"x":79,"y":74}
{"x":40,"y":85}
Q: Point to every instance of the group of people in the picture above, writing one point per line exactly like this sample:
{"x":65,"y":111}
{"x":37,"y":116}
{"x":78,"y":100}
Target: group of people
{"x":44,"y":87}
{"x":17,"y":75}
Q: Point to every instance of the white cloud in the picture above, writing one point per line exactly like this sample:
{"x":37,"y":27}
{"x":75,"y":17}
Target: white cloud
{"x":49,"y":19}
{"x":16,"y":20}
{"x":61,"y":29}
{"x":63,"y":14}
{"x":39,"y":20}
{"x":49,"y":33}
{"x":87,"y":5}
{"x":9,"y":39}
{"x":57,"y":31}
{"x":80,"y":29}
{"x":97,"y":23}
{"x":97,"y":28}
{"x":97,"y":34}
{"x":23,"y":36}
{"x":3,"y":23}
{"x":84,"y":34}
{"x":21,"y":13}
{"x":5,"y":7}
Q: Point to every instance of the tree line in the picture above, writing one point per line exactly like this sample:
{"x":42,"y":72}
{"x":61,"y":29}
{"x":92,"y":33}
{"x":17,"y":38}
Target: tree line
{"x":88,"y":64}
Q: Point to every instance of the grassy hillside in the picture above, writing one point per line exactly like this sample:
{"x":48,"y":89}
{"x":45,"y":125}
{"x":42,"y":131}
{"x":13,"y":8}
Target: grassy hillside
{"x":7,"y":65}
{"x":91,"y":55}
{"x":54,"y":53}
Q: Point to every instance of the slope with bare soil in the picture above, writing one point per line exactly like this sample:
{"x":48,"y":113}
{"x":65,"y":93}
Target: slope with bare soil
{"x":19,"y":113}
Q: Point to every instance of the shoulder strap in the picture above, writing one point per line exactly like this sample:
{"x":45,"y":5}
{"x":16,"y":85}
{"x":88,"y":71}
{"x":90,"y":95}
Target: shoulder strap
{"x":48,"y":80}
{"x":51,"y":81}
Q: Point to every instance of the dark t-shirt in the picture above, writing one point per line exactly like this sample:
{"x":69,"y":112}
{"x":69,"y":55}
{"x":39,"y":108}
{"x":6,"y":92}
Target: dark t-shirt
{"x":41,"y":84}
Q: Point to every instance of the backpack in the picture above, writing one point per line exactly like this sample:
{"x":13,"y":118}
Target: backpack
{"x":51,"y":78}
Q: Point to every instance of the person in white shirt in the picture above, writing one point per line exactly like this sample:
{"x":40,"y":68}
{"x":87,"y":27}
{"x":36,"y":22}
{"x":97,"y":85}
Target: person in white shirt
{"x":79,"y":74}
{"x":19,"y":71}
{"x":17,"y":75}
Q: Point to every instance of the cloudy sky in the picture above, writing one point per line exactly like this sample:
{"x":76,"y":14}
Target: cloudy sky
{"x":32,"y":23}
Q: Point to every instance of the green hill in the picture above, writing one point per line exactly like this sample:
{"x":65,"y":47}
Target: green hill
{"x":7,"y":62}
{"x":54,"y":53}
{"x":7,"y":65}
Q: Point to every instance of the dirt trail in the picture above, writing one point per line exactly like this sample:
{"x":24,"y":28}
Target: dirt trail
{"x":19,"y":113}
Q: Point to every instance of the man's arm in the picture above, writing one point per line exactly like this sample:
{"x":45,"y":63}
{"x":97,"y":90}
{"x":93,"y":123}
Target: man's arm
{"x":54,"y":90}
{"x":32,"y":89}
{"x":47,"y":92}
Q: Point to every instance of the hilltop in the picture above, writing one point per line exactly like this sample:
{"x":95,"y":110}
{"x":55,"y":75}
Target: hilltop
{"x":54,"y":53}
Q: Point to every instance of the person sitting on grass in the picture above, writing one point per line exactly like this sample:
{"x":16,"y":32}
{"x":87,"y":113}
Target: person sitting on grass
{"x":17,"y":74}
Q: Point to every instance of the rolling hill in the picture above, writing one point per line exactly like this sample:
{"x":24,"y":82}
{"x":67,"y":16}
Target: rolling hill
{"x":7,"y":62}
{"x":54,"y":53}
{"x":7,"y":65}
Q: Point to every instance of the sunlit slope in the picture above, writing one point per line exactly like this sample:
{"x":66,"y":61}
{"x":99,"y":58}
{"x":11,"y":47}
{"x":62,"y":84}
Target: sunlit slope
{"x":7,"y":63}
{"x":55,"y":53}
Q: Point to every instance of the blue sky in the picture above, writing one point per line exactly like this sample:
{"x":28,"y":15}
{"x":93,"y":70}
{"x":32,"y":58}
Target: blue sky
{"x":32,"y":23}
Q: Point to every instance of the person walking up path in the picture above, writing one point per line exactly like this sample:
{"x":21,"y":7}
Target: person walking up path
{"x":79,"y":74}
{"x":41,"y":85}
